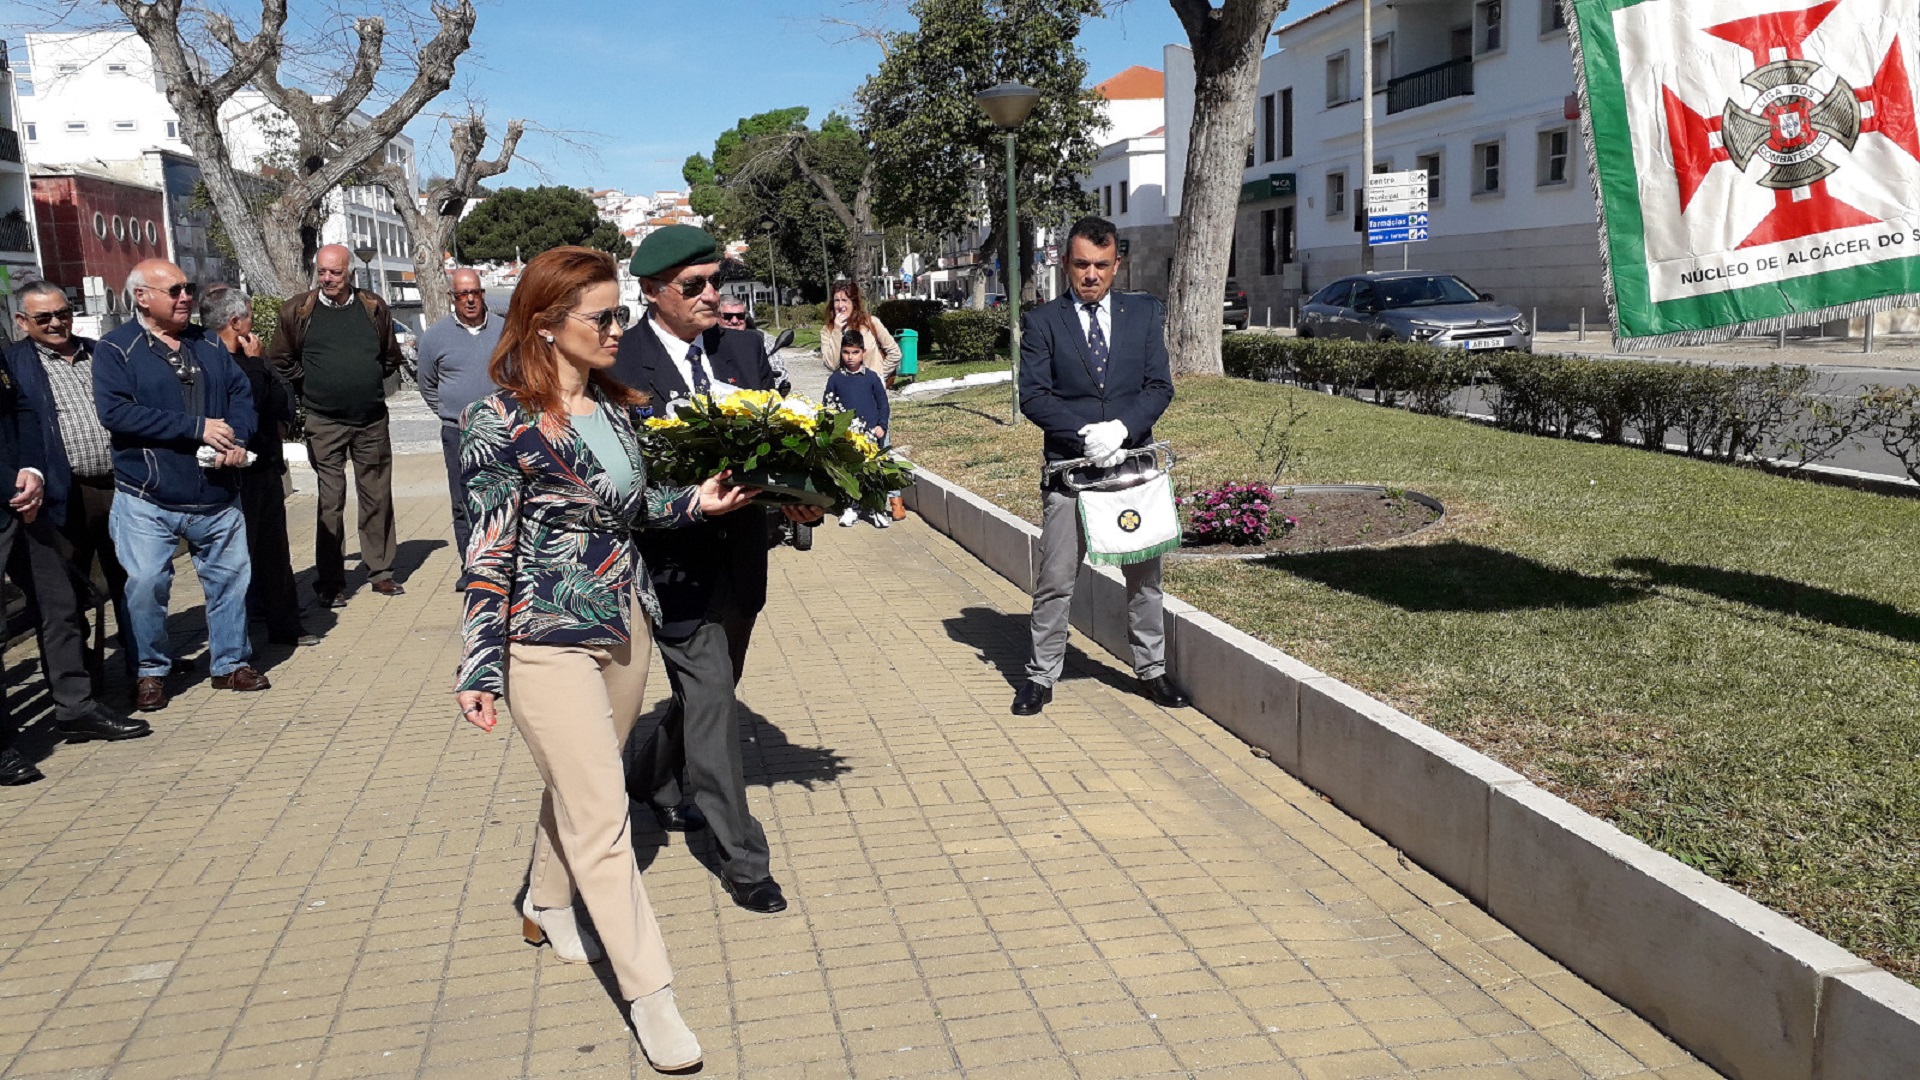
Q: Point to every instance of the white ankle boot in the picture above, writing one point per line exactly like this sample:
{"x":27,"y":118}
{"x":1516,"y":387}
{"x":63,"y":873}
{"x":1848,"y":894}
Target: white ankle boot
{"x":558,"y":927}
{"x":664,"y":1037}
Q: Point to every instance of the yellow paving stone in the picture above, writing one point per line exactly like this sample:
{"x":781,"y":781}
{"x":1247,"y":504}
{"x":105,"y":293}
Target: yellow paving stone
{"x":325,"y":875}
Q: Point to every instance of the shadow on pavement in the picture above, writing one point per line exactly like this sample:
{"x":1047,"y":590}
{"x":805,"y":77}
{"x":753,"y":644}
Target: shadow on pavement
{"x":1005,"y":641}
{"x":1456,"y":577}
{"x":1780,"y":595}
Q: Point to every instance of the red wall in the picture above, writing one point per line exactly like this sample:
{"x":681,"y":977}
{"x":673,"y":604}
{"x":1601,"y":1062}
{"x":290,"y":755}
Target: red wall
{"x":70,"y":248}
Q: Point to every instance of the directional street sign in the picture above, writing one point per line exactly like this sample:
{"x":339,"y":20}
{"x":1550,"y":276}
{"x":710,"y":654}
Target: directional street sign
{"x":1397,"y":207}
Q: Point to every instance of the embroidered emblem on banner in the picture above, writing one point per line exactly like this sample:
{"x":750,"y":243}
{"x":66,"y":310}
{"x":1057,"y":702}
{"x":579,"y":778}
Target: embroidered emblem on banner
{"x":1798,"y":131}
{"x":1755,"y":171}
{"x":1129,"y":521}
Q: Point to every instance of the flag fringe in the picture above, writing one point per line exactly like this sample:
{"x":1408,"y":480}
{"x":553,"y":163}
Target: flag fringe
{"x":1791,"y":320}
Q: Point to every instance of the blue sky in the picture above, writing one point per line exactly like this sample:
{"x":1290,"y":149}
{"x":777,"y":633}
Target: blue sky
{"x":642,"y":85}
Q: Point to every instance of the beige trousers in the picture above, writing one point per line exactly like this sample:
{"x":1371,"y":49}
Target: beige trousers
{"x":575,"y":704}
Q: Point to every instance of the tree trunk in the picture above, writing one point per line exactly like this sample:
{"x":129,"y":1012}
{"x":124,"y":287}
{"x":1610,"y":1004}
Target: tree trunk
{"x":1227,"y":43}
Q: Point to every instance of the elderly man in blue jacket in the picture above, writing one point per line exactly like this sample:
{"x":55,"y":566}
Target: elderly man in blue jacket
{"x":180,"y":412}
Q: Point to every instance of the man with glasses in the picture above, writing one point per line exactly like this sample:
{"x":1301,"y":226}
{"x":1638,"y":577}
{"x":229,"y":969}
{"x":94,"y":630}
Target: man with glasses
{"x":711,"y":579}
{"x":181,"y":414}
{"x":31,"y":413}
{"x":336,"y":344}
{"x":454,"y":354}
{"x":55,"y":369}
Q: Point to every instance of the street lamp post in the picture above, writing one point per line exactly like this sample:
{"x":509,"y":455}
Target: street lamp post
{"x":1008,"y":106}
{"x":366,"y":253}
{"x":767,"y":227}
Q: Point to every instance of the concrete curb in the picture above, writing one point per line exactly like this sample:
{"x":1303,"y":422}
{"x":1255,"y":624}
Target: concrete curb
{"x":1749,"y":991}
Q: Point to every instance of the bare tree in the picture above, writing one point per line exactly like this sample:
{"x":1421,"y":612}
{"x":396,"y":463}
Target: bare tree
{"x":275,"y":243}
{"x":1227,"y":43}
{"x":432,"y":228}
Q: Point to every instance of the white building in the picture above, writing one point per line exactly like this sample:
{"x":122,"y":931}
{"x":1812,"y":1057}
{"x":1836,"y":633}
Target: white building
{"x":1479,"y":93}
{"x":18,"y":259}
{"x":1129,"y":179}
{"x":98,"y":97}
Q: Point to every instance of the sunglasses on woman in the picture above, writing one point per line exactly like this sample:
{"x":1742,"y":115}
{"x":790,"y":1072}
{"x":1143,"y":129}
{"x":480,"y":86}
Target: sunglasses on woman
{"x":605,"y":319}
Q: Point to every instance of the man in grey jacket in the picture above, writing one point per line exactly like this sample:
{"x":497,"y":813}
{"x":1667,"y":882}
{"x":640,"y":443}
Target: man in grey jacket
{"x":454,"y":354}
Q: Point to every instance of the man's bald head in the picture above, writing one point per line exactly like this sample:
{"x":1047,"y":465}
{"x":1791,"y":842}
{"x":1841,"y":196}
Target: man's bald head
{"x":469,"y":297}
{"x":333,"y":272}
{"x":162,"y":294}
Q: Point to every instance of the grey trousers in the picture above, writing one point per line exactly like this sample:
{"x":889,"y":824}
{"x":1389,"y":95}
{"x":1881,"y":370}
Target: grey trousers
{"x":701,"y":734}
{"x":1062,"y":546}
{"x":456,"y":491}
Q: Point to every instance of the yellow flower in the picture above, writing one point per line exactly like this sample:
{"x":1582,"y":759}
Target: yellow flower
{"x":869,"y":448}
{"x":665,"y":423}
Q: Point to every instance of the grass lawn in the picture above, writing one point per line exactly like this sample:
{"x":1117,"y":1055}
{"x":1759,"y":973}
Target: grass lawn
{"x":938,"y":369}
{"x":1723,"y":663}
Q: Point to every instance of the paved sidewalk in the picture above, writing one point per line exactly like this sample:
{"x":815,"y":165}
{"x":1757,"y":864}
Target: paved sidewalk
{"x":319,"y":881}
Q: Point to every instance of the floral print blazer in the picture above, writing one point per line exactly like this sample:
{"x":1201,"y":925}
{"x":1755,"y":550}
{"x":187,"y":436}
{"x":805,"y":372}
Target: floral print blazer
{"x":552,"y":557}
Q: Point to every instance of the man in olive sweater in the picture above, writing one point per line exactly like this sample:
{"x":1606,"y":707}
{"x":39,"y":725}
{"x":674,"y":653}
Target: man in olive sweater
{"x":336,"y":345}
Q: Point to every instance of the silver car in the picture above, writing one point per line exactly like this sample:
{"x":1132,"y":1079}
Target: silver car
{"x":1413,"y":305}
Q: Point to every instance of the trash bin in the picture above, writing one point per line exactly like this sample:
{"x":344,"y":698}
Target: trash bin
{"x":909,"y":352}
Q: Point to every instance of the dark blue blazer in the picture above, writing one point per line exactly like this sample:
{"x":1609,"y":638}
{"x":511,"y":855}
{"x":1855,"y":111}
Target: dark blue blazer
{"x":24,"y":361}
{"x":1057,"y":388}
{"x":20,"y":443}
{"x":717,"y":567}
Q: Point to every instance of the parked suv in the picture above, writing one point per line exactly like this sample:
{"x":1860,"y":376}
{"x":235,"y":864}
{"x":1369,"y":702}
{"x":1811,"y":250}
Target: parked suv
{"x":1414,"y":305}
{"x":1234,"y":310}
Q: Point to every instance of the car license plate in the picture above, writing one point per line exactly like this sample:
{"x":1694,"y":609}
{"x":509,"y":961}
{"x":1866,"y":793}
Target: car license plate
{"x":1483,"y":343}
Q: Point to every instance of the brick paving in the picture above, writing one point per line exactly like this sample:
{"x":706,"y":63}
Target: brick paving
{"x":319,"y":880}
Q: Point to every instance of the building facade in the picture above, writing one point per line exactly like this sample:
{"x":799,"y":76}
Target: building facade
{"x":19,"y":255}
{"x":94,"y":228}
{"x":1479,"y":93}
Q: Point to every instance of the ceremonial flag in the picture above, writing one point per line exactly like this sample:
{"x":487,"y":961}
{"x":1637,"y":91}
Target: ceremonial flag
{"x":1757,"y":161}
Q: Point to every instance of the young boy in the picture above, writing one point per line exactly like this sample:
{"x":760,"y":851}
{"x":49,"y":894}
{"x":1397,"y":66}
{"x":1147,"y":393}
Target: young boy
{"x":860,"y":390}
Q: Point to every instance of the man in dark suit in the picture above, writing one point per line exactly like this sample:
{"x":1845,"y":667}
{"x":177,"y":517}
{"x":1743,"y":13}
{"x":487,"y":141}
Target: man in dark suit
{"x":50,"y":377}
{"x":54,"y":366}
{"x":1094,"y":377}
{"x":711,"y":578}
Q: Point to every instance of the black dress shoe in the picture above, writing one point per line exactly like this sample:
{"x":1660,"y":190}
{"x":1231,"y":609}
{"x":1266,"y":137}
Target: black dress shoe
{"x":99,"y":723}
{"x":1164,"y":692}
{"x":1032,"y":698}
{"x":15,"y":769}
{"x":685,"y":817}
{"x":762,"y":896}
{"x":331,"y":598}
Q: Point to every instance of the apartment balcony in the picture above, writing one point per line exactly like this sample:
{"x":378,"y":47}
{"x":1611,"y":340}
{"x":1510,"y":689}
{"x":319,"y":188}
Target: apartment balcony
{"x":9,"y":144}
{"x":1438,"y":83}
{"x":15,"y":234}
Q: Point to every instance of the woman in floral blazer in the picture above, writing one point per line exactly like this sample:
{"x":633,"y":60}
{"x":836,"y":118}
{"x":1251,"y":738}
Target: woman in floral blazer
{"x":559,"y":610}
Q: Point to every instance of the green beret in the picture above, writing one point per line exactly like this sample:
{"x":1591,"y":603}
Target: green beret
{"x":674,"y":245}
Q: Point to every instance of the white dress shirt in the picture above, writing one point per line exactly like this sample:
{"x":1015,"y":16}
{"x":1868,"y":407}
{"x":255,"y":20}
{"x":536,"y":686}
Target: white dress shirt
{"x":677,"y":352}
{"x":1106,"y":317}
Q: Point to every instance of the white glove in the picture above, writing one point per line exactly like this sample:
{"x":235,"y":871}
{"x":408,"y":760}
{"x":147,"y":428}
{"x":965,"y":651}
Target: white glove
{"x":1103,"y":440}
{"x":1111,"y":460}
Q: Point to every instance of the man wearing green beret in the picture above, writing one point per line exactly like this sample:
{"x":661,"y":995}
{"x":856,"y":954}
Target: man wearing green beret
{"x":711,"y":578}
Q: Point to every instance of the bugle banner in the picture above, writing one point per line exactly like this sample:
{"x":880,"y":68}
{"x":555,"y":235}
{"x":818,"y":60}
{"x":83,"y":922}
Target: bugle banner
{"x":1757,"y":162}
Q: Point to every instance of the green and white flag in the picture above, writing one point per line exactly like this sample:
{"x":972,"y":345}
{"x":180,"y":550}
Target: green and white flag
{"x":1757,"y":161}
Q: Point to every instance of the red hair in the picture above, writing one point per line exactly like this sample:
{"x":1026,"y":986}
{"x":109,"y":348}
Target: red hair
{"x":857,"y":312}
{"x":527,"y":365}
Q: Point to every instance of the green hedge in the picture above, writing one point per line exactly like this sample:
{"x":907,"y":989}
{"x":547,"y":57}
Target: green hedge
{"x":1723,"y":413}
{"x":968,"y":336}
{"x":915,"y":315}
